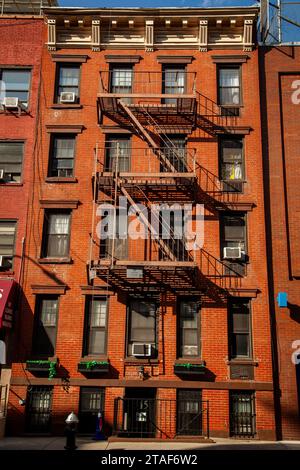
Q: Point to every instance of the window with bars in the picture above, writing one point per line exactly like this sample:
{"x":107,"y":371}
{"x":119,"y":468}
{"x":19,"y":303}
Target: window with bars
{"x":232,"y":163}
{"x":11,"y":160}
{"x":90,"y":404}
{"x":15,"y":83}
{"x":242,"y":414}
{"x":240,"y":328}
{"x":141,"y":324}
{"x":56,"y":234}
{"x":68,"y":77}
{"x":189,"y":412}
{"x":7,"y":243}
{"x":38,"y":409}
{"x":95,"y":336}
{"x":62,"y":156}
{"x":117,"y":153}
{"x":44,"y":337}
{"x":189,"y":328}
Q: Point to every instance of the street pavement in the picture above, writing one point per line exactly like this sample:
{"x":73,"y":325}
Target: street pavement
{"x":83,"y":443}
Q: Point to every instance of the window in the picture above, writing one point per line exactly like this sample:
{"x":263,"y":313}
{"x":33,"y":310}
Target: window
{"x":62,"y":156}
{"x":232,"y":165}
{"x":174,"y":149}
{"x":233,"y":229}
{"x":229,"y":86}
{"x":68,"y":80}
{"x":15,"y":83}
{"x":173,"y":82}
{"x":117,"y":247}
{"x":11,"y":158}
{"x":7,"y":244}
{"x":189,"y":329}
{"x":189,"y":412}
{"x":45,"y":326}
{"x":118,"y":153}
{"x":38,"y":409}
{"x":57,"y":234}
{"x":90,"y":404}
{"x":240,"y":329}
{"x":233,"y":235}
{"x":95,"y":326}
{"x":142,"y":324}
{"x":242,"y":415}
{"x":121,"y":79}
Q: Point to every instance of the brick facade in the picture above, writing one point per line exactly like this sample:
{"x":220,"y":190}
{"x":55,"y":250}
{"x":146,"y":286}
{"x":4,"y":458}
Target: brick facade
{"x":216,"y":385}
{"x":279,"y":82}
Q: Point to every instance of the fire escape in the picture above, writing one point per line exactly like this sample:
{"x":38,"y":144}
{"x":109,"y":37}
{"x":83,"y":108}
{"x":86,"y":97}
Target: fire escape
{"x":154,"y":107}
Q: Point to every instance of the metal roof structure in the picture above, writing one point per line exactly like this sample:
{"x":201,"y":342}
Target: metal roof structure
{"x":29,"y":7}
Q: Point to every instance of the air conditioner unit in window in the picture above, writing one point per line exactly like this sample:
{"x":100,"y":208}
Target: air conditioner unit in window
{"x":232,"y":252}
{"x":10,"y":102}
{"x":143,"y":350}
{"x":1,"y":174}
{"x":67,"y":97}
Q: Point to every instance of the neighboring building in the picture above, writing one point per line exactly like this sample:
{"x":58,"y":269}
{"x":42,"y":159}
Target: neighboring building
{"x":21,"y":43}
{"x":280,"y":91}
{"x":158,"y":106}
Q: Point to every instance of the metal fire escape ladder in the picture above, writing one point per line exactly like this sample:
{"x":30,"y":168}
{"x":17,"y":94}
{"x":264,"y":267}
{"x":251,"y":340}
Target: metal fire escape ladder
{"x":143,"y":132}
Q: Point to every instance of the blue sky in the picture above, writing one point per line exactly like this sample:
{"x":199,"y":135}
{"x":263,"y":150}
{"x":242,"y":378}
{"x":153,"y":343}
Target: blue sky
{"x":154,"y":3}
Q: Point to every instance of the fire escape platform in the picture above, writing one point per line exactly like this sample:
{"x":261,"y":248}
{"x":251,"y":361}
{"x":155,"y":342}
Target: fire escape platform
{"x":154,"y":276}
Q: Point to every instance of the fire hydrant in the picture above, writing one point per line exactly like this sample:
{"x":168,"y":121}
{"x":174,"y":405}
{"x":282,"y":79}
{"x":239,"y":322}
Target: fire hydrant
{"x":70,"y":431}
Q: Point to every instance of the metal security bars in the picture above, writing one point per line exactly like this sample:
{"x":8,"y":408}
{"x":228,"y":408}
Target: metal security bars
{"x":38,"y":409}
{"x":242,"y":414}
{"x":160,"y":418}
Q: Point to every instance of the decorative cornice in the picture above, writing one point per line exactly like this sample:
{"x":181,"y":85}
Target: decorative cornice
{"x":59,"y":204}
{"x":96,"y":290}
{"x":64,"y":128}
{"x":73,"y":58}
{"x":47,"y":289}
{"x":251,"y":293}
{"x":128,"y":59}
{"x":240,"y":206}
{"x":175,"y":59}
{"x":231,"y":59}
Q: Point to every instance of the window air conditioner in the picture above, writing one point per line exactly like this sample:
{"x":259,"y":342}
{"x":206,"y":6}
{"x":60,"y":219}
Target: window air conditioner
{"x":143,"y":350}
{"x":232,"y":252}
{"x":67,"y":97}
{"x":10,"y":102}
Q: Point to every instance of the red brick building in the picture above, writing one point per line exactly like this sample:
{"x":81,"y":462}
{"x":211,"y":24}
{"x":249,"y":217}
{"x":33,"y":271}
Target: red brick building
{"x":165,"y":338}
{"x":280,"y":75}
{"x":21,"y":42}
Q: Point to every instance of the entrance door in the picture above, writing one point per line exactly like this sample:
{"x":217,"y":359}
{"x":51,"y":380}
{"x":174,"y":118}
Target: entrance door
{"x":139,"y":412}
{"x":38,"y":409}
{"x":91,"y":403}
{"x":189,"y":412}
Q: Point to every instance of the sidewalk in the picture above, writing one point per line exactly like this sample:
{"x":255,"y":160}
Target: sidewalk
{"x":58,"y":443}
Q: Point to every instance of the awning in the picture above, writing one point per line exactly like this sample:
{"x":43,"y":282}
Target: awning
{"x":7,"y":302}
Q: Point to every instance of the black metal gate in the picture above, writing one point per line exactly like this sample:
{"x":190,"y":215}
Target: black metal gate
{"x":242,"y":415}
{"x":38,"y":409}
{"x":159,"y":418}
{"x":190,"y":412}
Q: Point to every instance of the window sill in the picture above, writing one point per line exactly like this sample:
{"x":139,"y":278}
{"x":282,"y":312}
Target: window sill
{"x":250,"y":362}
{"x":55,"y":260}
{"x":58,"y":179}
{"x":135,"y":361}
{"x":11,"y":184}
{"x":231,"y":106}
{"x":66,"y":106}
